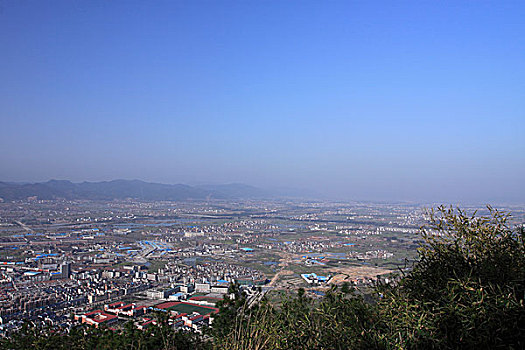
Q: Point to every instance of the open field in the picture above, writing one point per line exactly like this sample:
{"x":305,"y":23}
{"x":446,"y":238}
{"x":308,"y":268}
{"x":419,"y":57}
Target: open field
{"x":190,"y":308}
{"x":349,"y":273}
{"x":182,"y":307}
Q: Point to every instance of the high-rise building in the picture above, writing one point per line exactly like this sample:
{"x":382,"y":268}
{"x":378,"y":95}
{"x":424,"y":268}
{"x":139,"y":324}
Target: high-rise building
{"x":65,"y":270}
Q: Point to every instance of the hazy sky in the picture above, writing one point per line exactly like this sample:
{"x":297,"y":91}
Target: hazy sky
{"x":355,"y":99}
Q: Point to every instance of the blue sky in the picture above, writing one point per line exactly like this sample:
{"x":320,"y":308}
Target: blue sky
{"x":374,"y":100}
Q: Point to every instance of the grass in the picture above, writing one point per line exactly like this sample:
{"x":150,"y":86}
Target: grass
{"x":156,"y":265}
{"x":190,"y":308}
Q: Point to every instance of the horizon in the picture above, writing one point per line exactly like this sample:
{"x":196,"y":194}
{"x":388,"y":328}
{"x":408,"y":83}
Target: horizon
{"x":302,"y":194}
{"x":406,"y":102}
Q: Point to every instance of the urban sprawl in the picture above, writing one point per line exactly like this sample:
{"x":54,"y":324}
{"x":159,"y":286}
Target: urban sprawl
{"x":64,"y":263}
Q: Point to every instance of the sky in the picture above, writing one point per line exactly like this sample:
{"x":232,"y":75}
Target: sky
{"x":357,"y":100}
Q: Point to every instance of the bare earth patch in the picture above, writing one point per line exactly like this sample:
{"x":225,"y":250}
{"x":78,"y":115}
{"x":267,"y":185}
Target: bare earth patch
{"x":350,"y":273}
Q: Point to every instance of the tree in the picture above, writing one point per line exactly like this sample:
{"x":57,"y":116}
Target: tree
{"x":467,"y":287}
{"x":229,"y":308}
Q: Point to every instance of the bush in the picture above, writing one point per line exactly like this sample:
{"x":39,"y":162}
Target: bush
{"x":466,"y":290}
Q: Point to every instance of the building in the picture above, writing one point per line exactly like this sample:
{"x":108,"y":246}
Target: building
{"x":161,"y":294}
{"x":65,"y":270}
{"x":96,"y":318}
{"x":202,"y":287}
{"x":312,"y":278}
{"x":219,"y":289}
{"x":121,"y":308}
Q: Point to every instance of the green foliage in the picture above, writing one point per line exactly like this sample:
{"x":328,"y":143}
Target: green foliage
{"x":229,"y":308}
{"x":90,"y":338}
{"x":336,"y":322}
{"x":467,"y":289}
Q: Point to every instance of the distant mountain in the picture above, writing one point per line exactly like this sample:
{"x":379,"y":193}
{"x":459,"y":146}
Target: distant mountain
{"x":106,"y":190}
{"x":10,"y":191}
{"x":136,"y":189}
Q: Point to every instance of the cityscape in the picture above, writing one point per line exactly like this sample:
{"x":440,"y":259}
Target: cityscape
{"x":67,"y":262}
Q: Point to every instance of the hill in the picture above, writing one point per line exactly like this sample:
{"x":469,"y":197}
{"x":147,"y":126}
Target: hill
{"x":106,"y":190}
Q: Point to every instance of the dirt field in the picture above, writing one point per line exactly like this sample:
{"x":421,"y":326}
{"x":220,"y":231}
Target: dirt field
{"x":279,"y":274}
{"x":342,"y":274}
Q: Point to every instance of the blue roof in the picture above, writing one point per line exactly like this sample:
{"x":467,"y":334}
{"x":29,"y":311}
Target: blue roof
{"x":32,"y":273}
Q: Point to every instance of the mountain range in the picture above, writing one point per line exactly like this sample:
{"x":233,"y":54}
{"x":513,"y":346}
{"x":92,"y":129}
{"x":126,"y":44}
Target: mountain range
{"x":132,"y":189}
